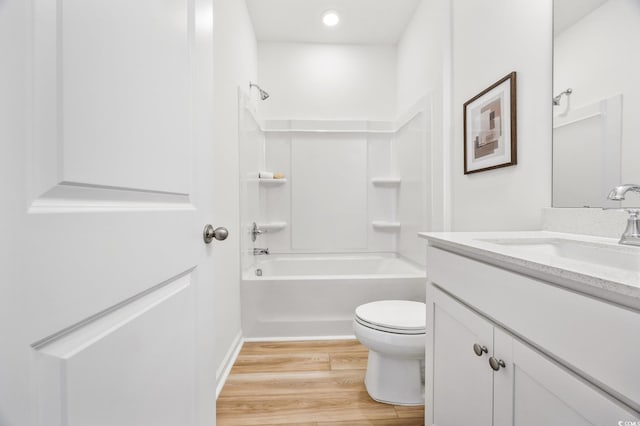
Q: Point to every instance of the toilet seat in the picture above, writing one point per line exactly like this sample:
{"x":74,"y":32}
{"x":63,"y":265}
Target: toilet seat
{"x":393,"y":316}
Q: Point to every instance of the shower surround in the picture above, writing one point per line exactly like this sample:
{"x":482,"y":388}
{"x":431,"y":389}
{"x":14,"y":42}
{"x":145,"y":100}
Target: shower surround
{"x":340,"y":227}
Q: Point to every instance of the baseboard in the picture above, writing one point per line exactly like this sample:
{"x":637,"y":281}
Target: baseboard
{"x":229,"y":359}
{"x":298,"y":338}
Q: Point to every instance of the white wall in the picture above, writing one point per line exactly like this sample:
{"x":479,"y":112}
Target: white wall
{"x":491,"y":39}
{"x":597,"y":59}
{"x":327,"y":81}
{"x":446,"y":54}
{"x":423,"y":69}
{"x":235,"y":63}
{"x":421,"y":55}
{"x":452,"y":50}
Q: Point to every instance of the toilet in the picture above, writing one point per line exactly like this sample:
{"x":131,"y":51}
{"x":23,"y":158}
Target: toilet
{"x":394,"y":333}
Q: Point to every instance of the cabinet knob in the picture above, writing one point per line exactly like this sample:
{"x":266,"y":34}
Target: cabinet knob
{"x":479,"y":350}
{"x":496,"y":363}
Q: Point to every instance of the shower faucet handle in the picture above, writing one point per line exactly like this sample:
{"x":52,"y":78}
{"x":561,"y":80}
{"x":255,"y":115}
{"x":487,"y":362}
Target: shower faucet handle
{"x":255,"y":231}
{"x":260,"y":251}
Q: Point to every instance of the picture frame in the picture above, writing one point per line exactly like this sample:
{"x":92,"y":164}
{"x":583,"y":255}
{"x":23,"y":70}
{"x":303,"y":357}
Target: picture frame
{"x":490,"y":127}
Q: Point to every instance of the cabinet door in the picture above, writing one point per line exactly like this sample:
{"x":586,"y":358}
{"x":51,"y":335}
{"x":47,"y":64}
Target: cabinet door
{"x":533,"y":390}
{"x":462,"y":380}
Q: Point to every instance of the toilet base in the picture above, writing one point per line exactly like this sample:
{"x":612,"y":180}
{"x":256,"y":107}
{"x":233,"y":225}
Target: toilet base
{"x":397,"y":381}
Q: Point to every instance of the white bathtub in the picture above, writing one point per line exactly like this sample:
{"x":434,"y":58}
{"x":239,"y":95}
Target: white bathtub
{"x":315,"y":295}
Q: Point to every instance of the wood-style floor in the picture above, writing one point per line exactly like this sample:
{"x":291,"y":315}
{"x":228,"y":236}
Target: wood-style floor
{"x":314,"y":383}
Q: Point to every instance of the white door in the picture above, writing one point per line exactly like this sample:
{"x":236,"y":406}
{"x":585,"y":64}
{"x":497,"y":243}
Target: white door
{"x":106,"y":293}
{"x":462,"y":379}
{"x":532,"y":390}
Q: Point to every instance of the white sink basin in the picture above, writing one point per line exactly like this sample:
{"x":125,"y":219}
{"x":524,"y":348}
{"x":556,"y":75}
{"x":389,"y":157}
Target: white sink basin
{"x":608,"y":255}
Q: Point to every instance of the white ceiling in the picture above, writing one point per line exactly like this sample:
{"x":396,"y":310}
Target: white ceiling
{"x":568,"y":12}
{"x":361,"y":21}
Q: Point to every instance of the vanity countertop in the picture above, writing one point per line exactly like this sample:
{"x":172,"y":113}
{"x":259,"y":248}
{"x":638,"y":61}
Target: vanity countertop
{"x":596,"y":266}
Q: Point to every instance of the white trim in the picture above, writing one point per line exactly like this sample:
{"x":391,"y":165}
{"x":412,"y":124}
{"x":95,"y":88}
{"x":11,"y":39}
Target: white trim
{"x":340,"y":126}
{"x":327,"y":131}
{"x":72,"y":197}
{"x":299,"y":338}
{"x":576,"y":120}
{"x":227,"y":363}
{"x":420,"y":106}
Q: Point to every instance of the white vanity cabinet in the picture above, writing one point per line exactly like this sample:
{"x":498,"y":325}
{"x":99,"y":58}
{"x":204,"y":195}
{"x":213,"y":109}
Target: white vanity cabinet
{"x":560,"y":357}
{"x":464,"y":381}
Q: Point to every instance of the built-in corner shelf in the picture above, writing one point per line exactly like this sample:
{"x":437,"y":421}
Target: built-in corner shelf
{"x":272,"y":226}
{"x":386,"y":181}
{"x":272,"y":182}
{"x":383,"y":225}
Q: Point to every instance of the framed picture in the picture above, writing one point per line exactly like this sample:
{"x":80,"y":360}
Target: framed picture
{"x":490,"y":127}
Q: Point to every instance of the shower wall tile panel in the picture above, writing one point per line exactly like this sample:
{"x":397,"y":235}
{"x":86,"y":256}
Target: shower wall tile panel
{"x":329,"y":192}
{"x":278,"y":207}
{"x":252,"y":203}
{"x":374,"y":160}
{"x":381,"y":200}
{"x":410,"y":148}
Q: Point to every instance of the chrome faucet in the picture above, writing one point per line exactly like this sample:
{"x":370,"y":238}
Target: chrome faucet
{"x":631,"y":235}
{"x":255,"y":231}
{"x":260,"y":251}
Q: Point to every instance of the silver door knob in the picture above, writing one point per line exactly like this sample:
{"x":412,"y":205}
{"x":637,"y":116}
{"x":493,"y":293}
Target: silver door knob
{"x":496,"y":363}
{"x":479,"y":350}
{"x":210,"y":233}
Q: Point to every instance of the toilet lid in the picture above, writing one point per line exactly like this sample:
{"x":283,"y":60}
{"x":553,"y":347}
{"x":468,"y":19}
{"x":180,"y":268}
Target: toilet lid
{"x":399,"y":316}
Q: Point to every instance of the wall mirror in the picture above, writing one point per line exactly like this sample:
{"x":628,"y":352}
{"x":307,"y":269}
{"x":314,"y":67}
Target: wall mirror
{"x":596,"y":101}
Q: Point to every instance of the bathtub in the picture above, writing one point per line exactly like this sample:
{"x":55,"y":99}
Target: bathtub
{"x":314,"y":295}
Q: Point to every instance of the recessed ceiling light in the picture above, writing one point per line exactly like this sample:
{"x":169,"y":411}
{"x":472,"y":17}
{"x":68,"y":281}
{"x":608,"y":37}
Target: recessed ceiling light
{"x":330,"y":18}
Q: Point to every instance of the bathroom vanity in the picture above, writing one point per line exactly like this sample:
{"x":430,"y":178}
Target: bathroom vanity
{"x":532,"y":328}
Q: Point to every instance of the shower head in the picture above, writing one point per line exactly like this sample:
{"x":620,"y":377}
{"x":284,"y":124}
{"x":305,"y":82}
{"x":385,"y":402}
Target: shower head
{"x":556,"y":99}
{"x":263,"y":95}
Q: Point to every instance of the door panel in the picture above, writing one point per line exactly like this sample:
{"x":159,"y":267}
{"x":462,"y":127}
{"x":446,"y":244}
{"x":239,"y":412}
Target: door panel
{"x":112,"y":98}
{"x":111,"y":164}
{"x":105,"y":371}
{"x":107,"y":287}
{"x":532,"y":390}
{"x":463,"y":381}
{"x":555,"y":411}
